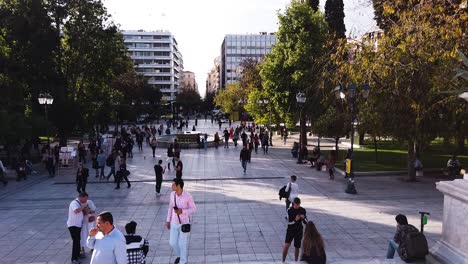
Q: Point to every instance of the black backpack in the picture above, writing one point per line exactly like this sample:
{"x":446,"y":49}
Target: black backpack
{"x":283,"y":193}
{"x":416,"y":246}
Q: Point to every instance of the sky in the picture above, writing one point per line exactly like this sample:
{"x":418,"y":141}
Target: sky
{"x":200,"y":26}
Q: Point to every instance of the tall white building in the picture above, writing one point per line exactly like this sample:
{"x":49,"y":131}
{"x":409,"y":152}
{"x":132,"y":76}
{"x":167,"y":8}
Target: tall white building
{"x":212,"y":80}
{"x":236,"y":48}
{"x":156,"y":55}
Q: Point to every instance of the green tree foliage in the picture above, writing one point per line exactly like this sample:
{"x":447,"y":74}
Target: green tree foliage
{"x":208,"y":102}
{"x":334,"y":124}
{"x":231,"y":99}
{"x":314,"y":4}
{"x":189,"y":99}
{"x":250,"y":75}
{"x":414,"y":61}
{"x":334,"y":15}
{"x":294,"y":62}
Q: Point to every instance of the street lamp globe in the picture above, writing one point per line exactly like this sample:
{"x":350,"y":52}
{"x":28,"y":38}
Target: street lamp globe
{"x":352,"y":90}
{"x":339,"y":92}
{"x":464,"y":96}
{"x":365,"y":90}
{"x":45,"y":99}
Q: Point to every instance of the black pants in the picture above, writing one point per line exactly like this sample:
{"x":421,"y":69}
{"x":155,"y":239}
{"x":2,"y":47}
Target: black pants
{"x":288,"y":203}
{"x":82,"y":157}
{"x":158,"y":183}
{"x":112,"y":172}
{"x":154,"y":151}
{"x":121,"y":176}
{"x":76,"y":237}
{"x":81,"y":186}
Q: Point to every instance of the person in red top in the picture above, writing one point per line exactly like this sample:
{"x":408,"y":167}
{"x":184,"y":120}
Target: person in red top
{"x":256,"y":140}
{"x":181,"y":206}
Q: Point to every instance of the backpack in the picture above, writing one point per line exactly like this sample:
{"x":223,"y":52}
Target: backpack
{"x":109,"y":161}
{"x":283,"y":193}
{"x":416,"y":246}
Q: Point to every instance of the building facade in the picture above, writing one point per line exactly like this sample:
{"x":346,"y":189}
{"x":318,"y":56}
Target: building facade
{"x":212,"y":80}
{"x":188,"y":81}
{"x":157,"y":56}
{"x":236,"y":48}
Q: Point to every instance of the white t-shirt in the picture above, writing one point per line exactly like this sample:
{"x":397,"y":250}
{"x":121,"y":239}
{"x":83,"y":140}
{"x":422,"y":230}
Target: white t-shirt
{"x":294,"y":190}
{"x":74,"y":219}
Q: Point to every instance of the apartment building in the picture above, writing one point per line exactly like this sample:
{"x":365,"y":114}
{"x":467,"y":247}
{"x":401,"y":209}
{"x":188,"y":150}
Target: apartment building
{"x":212,"y":80}
{"x":188,"y":81}
{"x":236,"y":48}
{"x":156,"y":55}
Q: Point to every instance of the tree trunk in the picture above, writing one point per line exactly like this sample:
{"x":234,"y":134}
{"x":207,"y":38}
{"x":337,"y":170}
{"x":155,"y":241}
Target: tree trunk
{"x":460,"y":144}
{"x":337,"y":139}
{"x":303,"y":131}
{"x":375,"y":148}
{"x":411,"y":159}
{"x":318,"y":141}
{"x":446,"y":141}
{"x":361,"y":137}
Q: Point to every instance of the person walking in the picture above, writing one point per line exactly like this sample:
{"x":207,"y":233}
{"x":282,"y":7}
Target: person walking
{"x":256,"y":140}
{"x":74,"y":222}
{"x":226,"y":138}
{"x":89,"y":220}
{"x":101,"y":160}
{"x":181,"y":206}
{"x":154,"y":143}
{"x":82,"y":175}
{"x":2,"y":174}
{"x":296,"y":217}
{"x":123,"y":173}
{"x":244,"y":158}
{"x":159,"y":171}
{"x":331,"y":164}
{"x":313,"y":247}
{"x":107,"y":242}
{"x":179,"y":168}
{"x":293,"y":188}
{"x":110,"y":162}
{"x":216,"y":139}
{"x":81,"y":152}
{"x":265,"y":143}
{"x":170,"y":157}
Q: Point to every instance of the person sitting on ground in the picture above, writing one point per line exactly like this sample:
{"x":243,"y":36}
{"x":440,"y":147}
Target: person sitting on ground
{"x":137,"y":246}
{"x":454,"y":166}
{"x":398,"y":242}
{"x":313,"y":158}
{"x":313,"y":248}
{"x":295,"y":149}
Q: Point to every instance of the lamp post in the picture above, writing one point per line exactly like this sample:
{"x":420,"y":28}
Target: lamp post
{"x":352,"y":91}
{"x":301,"y":99}
{"x":46,"y":99}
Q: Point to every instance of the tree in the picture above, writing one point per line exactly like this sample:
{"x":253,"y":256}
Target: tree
{"x":334,"y":15}
{"x":231,"y":99}
{"x":293,"y":64}
{"x":250,"y":78}
{"x":314,"y":4}
{"x":189,"y":99}
{"x":208,"y":102}
{"x":333,"y":124}
{"x":412,"y":64}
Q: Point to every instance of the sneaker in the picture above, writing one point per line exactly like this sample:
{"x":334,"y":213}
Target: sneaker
{"x":177,"y":260}
{"x":158,"y":194}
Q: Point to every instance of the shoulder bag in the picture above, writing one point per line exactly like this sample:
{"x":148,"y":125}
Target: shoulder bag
{"x":185,"y":228}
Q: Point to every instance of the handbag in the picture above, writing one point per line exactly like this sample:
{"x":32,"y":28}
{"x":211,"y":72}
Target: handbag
{"x":185,"y":228}
{"x":91,"y":218}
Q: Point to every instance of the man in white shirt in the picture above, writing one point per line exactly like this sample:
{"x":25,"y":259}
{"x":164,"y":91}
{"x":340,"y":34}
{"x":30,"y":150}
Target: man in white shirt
{"x":293,"y":190}
{"x":75,"y":219}
{"x":108,"y":243}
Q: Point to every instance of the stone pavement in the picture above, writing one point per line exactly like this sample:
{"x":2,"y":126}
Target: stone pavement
{"x":239,"y":218}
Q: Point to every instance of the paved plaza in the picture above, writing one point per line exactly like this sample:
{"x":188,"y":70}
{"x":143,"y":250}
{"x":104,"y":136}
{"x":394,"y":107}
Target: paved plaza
{"x":239,"y":218}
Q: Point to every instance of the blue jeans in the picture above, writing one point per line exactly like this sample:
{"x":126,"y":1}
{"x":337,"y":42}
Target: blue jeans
{"x":244,"y":165}
{"x":392,"y":247}
{"x":178,"y":241}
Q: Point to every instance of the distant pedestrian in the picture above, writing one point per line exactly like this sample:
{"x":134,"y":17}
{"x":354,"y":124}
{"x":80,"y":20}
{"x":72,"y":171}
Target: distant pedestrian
{"x":226,"y":138}
{"x":181,"y":206}
{"x":159,"y":171}
{"x":2,"y":174}
{"x":205,"y":141}
{"x":216,"y":139}
{"x":179,"y":168}
{"x":293,"y":188}
{"x":296,"y":217}
{"x":81,"y":152}
{"x":153,"y":144}
{"x":331,"y":164}
{"x":82,"y":175}
{"x":110,"y":162}
{"x":265,"y":143}
{"x":74,"y":222}
{"x":123,"y":173}
{"x":101,"y":160}
{"x":170,"y":157}
{"x":244,"y":158}
{"x":137,"y":246}
{"x":108,"y":243}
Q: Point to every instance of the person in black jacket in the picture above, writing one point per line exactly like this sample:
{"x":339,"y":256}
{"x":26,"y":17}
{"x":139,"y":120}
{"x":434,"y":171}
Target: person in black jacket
{"x":313,"y":247}
{"x":137,"y":247}
{"x":296,"y":216}
{"x":81,"y":178}
{"x":244,"y":158}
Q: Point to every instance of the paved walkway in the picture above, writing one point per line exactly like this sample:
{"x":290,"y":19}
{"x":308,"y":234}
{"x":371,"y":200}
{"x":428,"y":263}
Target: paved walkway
{"x":239,"y":218}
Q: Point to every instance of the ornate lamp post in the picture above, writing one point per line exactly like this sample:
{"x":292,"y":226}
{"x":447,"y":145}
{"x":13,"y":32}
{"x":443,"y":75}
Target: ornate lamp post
{"x":301,"y":99}
{"x":340,"y":94}
{"x":46,"y":99}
